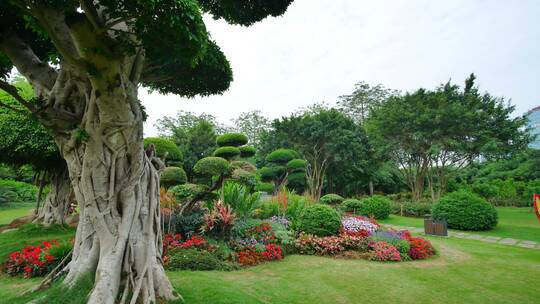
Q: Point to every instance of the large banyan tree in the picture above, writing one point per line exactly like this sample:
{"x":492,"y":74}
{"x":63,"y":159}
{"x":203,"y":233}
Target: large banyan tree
{"x":86,"y":60}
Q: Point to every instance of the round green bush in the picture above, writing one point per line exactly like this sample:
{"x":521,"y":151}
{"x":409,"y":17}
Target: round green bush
{"x":265,"y":187}
{"x":465,"y":211}
{"x":187,"y":191}
{"x":227,"y":152}
{"x":352,"y":205}
{"x":232,"y":139}
{"x":296,"y":165}
{"x":376,"y":206}
{"x":173,"y":176}
{"x":320,"y":220}
{"x":164,"y":147}
{"x":196,"y":259}
{"x":247,"y":151}
{"x":271,"y":172}
{"x":282,"y":156}
{"x":331,"y":199}
{"x":244,"y":165}
{"x":211,"y":166}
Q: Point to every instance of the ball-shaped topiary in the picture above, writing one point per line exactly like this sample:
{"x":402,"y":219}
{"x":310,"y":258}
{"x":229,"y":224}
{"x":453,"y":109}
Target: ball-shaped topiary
{"x":247,"y":151}
{"x":211,"y":166}
{"x":376,"y":206}
{"x":352,"y":205}
{"x":320,"y":220}
{"x":297,"y":165}
{"x":227,"y":152}
{"x":265,"y":187}
{"x":331,"y":199}
{"x":165,"y":147}
{"x":272,"y":172}
{"x":465,"y":211}
{"x":173,"y":176}
{"x":187,"y":191}
{"x":281,"y":156}
{"x":232,"y":139}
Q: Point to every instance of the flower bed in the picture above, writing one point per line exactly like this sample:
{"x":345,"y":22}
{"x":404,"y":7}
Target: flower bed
{"x":36,"y":260}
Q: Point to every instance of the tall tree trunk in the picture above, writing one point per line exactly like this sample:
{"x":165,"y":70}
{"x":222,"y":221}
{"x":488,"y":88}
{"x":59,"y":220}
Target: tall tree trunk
{"x":116,"y":182}
{"x":55,"y":208}
{"x":371,"y":191}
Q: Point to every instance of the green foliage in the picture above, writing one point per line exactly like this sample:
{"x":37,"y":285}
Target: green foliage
{"x":244,"y":12}
{"x":320,"y":220}
{"x":196,"y":259}
{"x":415,"y":209}
{"x":297,"y":165}
{"x":465,"y":211}
{"x":376,"y":206}
{"x":227,"y":152}
{"x":352,"y":205}
{"x":14,"y":192}
{"x":332,"y":199}
{"x":242,"y":225}
{"x":297,"y":181}
{"x":232,"y":140}
{"x":272,"y":173}
{"x":240,"y":199}
{"x":253,"y":124}
{"x":164,"y":147}
{"x":281,"y":156}
{"x":265,"y":187}
{"x":61,"y":251}
{"x":244,"y":177}
{"x":244,"y":165}
{"x":211,"y":166}
{"x":173,"y":176}
{"x":188,"y":223}
{"x":247,"y":151}
{"x":187,"y":191}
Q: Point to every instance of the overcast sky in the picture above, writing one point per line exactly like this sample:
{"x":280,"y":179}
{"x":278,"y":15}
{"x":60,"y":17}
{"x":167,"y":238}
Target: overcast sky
{"x":319,"y":49}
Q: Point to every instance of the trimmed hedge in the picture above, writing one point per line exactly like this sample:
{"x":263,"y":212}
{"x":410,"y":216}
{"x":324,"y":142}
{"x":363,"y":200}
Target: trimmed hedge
{"x":211,"y":166}
{"x":227,"y":152}
{"x":297,"y":165}
{"x":282,"y":156}
{"x":187,"y":191}
{"x":247,"y":151}
{"x":352,"y":205}
{"x":244,"y":165}
{"x":332,"y":199}
{"x":465,"y":211}
{"x":232,"y":139}
{"x":376,"y":206}
{"x":265,"y":187}
{"x":173,"y":176}
{"x":164,"y":146}
{"x":415,"y":209}
{"x":319,"y":220}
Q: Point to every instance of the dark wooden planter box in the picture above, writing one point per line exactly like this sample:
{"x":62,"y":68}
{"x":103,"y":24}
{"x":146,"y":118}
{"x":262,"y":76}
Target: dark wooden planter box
{"x":435,"y":227}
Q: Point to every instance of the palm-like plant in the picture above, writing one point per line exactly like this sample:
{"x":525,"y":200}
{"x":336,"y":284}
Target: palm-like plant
{"x":240,"y":199}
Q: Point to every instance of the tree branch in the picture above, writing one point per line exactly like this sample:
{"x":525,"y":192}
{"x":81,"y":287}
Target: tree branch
{"x":40,"y":74}
{"x":12,"y":90}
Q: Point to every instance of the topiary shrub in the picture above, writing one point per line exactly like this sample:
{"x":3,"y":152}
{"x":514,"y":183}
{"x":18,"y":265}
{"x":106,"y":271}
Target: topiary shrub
{"x":227,"y":152}
{"x":165,"y":148}
{"x":465,"y":211}
{"x":211,"y":166}
{"x":265,"y":187}
{"x":247,"y":151}
{"x":272,"y":173}
{"x":173,"y":176}
{"x":244,"y":165}
{"x":331,"y":199}
{"x":282,"y":156}
{"x":186,"y":192}
{"x":319,"y":220}
{"x":297,"y":165}
{"x":376,"y":206}
{"x":232,"y":139}
{"x":352,"y":205}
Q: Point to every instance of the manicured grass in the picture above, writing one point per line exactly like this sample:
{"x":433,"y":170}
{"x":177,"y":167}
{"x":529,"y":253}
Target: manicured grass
{"x":7,"y":215}
{"x":517,"y":223}
{"x":465,"y":271}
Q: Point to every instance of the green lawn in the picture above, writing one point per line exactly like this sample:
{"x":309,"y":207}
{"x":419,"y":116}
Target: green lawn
{"x":518,"y":223}
{"x":7,"y":215}
{"x":465,"y":271}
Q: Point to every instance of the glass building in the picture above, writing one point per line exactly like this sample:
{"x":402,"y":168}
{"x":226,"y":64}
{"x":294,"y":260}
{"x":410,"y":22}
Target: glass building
{"x":533,"y":124}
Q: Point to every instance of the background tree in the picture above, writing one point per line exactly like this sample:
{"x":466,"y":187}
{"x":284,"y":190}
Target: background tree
{"x":363,"y":100}
{"x":102,"y":52}
{"x":23,"y":140}
{"x":253,"y":124}
{"x":279,"y":165}
{"x":334,"y":146}
{"x":420,"y":132}
{"x":195,"y":135}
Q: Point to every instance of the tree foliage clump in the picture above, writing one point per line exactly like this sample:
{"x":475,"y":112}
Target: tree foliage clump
{"x":173,"y":176}
{"x":332,"y":199}
{"x":280,"y":165}
{"x":165,"y":149}
{"x":376,"y":206}
{"x":465,"y":211}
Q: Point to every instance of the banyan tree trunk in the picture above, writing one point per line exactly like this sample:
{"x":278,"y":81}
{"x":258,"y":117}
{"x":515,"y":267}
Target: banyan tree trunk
{"x":116,"y":183}
{"x":56,"y":207}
